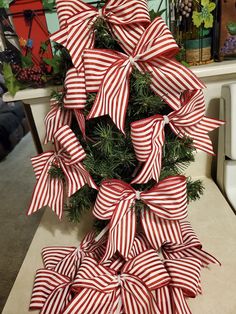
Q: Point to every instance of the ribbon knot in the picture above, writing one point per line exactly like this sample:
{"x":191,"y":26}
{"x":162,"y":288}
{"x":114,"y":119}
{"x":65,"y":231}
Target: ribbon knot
{"x":132,"y":60}
{"x":148,"y":135}
{"x":166,"y":202}
{"x":138,"y":195}
{"x":166,"y":119}
{"x":68,"y":156}
{"x":75,"y":18}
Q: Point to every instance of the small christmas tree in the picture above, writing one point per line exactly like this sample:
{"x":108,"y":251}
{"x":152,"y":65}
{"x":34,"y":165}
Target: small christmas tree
{"x":137,"y":117}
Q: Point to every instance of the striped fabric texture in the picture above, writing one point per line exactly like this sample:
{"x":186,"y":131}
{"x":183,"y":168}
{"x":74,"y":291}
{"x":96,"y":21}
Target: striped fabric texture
{"x":148,"y":134}
{"x":154,"y":54}
{"x":67,"y":156}
{"x":164,"y":205}
{"x":125,"y":18}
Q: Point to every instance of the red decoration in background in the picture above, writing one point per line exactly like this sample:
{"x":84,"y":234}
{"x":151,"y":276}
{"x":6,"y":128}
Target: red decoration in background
{"x":39,"y":31}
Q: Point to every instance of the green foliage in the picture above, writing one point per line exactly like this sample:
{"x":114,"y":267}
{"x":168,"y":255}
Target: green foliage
{"x":154,"y":14}
{"x":194,"y":189}
{"x":5,"y":4}
{"x":55,"y":63}
{"x":49,"y":4}
{"x":26,"y":61}
{"x":80,"y":202}
{"x":10,"y":80}
{"x":56,"y":172}
{"x":231,"y":27}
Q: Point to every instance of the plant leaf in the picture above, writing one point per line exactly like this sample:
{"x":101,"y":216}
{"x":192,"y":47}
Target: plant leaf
{"x":153,"y":14}
{"x":27,"y":61}
{"x":49,"y":4}
{"x":208,"y":21}
{"x":197,"y":18}
{"x":54,"y":63}
{"x":211,"y":6}
{"x":11,"y":82}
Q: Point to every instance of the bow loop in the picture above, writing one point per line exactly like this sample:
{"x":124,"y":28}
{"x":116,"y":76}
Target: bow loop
{"x":185,"y":274}
{"x":156,"y":41}
{"x":51,"y":292}
{"x":168,"y":198}
{"x":68,"y":146}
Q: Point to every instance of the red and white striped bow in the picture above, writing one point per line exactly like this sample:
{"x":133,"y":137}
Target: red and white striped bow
{"x":104,"y":291}
{"x":52,"y":287}
{"x":185,"y":283}
{"x":148,"y":134}
{"x":125,"y":18}
{"x":166,"y":204}
{"x":67,"y":156}
{"x":153,"y":54}
{"x":191,"y":247}
{"x":74,"y":101}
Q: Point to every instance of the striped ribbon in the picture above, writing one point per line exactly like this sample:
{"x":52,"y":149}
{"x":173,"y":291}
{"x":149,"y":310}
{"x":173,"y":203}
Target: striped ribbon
{"x":185,"y":283}
{"x":74,"y":101}
{"x":191,"y":247}
{"x":148,"y":134}
{"x":125,"y":18}
{"x":164,"y":205}
{"x":67,"y":156}
{"x":153,"y":54}
{"x":52,"y":286}
{"x":104,"y":291}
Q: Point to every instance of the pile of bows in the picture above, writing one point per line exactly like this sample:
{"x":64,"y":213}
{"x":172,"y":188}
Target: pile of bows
{"x":121,"y":270}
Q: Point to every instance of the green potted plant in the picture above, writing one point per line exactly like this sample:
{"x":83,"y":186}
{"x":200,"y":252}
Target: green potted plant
{"x":198,"y":47}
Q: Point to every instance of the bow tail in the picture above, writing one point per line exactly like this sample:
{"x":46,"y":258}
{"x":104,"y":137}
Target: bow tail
{"x":159,"y":231}
{"x":122,"y":231}
{"x":48,"y":191}
{"x":112,"y":97}
{"x":53,"y":255}
{"x":81,"y":121}
{"x":77,"y":176}
{"x":137,"y":298}
{"x":75,"y":97}
{"x":54,"y":120}
{"x":51,"y":292}
{"x":152,"y":166}
{"x":179,"y":302}
{"x":170,"y":79}
{"x":89,"y":301}
{"x":198,"y":133}
{"x":163,"y":300}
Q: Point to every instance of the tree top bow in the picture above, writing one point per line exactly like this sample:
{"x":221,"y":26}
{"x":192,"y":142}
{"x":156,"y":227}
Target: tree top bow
{"x":67,"y":156}
{"x":154,"y":55}
{"x":189,"y":121}
{"x":164,"y":205}
{"x":104,"y":291}
{"x":125,"y":18}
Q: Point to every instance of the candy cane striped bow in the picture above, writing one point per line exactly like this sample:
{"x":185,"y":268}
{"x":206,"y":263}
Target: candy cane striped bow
{"x":166,"y":205}
{"x":148,"y":134}
{"x":126,"y":19}
{"x":191,"y":247}
{"x":153,"y":54}
{"x":185,"y":283}
{"x":52,"y":287}
{"x":67,"y":156}
{"x":104,"y":291}
{"x":74,"y":101}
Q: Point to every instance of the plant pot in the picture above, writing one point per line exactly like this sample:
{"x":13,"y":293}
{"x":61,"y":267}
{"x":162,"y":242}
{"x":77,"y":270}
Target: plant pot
{"x":198,"y":50}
